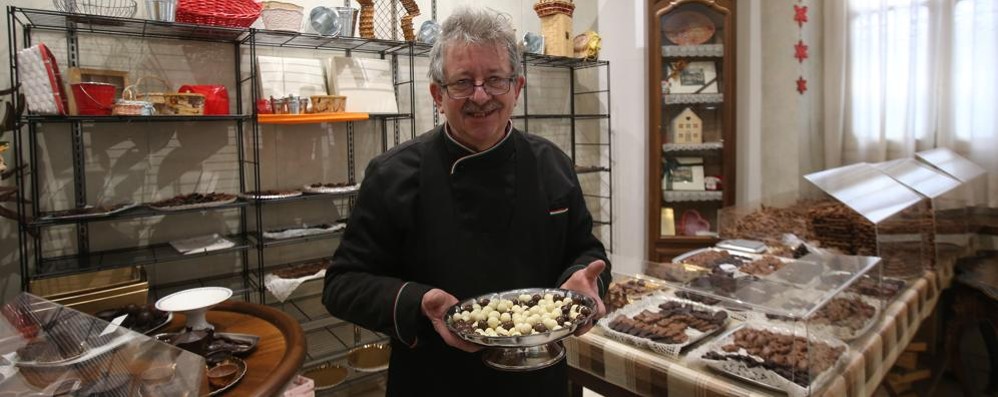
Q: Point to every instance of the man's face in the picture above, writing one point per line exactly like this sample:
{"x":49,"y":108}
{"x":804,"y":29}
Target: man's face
{"x":479,"y":120}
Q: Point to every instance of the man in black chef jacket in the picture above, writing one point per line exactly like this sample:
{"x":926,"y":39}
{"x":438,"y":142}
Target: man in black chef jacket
{"x":472,"y":207}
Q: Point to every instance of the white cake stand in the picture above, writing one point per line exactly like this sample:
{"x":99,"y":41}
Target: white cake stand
{"x":194,"y":303}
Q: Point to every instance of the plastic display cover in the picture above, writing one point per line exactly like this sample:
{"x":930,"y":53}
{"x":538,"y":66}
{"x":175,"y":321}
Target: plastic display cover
{"x":49,"y":349}
{"x":866,"y":190}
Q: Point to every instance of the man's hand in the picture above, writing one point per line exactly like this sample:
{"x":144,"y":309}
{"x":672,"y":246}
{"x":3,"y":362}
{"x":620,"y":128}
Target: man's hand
{"x":584,"y":282}
{"x":434,"y":307}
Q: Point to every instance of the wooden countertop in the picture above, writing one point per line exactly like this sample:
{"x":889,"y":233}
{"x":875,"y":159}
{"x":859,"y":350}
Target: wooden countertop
{"x":276,"y":359}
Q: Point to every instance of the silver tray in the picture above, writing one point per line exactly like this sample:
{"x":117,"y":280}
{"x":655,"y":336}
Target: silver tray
{"x":787,"y":385}
{"x":523,"y":340}
{"x":651,"y":303}
{"x":195,"y":206}
{"x":123,"y":207}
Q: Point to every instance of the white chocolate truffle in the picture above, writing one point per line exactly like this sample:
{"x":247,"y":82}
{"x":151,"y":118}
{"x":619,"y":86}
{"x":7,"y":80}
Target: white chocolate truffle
{"x":493,"y":322}
{"x":502,"y":331}
{"x":525,"y":298}
{"x":523,"y":328}
{"x":550,"y":323}
{"x":548,"y":297}
{"x":480,"y":331}
{"x":476,"y":306}
{"x":505,"y":317}
{"x":493,"y":315}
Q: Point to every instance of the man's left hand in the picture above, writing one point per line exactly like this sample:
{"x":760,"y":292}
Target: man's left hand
{"x":584,"y":282}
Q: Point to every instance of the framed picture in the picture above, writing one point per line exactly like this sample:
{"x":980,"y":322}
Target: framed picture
{"x":686,"y":173}
{"x":695,"y":78}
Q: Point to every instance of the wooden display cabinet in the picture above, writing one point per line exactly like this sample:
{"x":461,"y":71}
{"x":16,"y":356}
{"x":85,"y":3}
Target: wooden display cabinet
{"x":691,"y":55}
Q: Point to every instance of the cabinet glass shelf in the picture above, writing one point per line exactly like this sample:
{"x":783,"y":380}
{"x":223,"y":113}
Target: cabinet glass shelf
{"x":125,"y":257}
{"x":267,"y":243}
{"x":692,"y":147}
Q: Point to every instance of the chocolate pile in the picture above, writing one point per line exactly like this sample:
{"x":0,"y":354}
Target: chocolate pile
{"x":271,"y":192}
{"x":303,"y":270}
{"x":329,"y":185}
{"x":763,"y":266}
{"x":838,"y":226}
{"x":621,"y":293}
{"x":887,"y":289}
{"x":792,"y":357}
{"x":850,"y":313}
{"x":711,"y":259}
{"x":193,"y":198}
{"x":697,"y":298}
{"x":527,"y":315}
{"x":669,"y":324}
{"x":769,"y":223}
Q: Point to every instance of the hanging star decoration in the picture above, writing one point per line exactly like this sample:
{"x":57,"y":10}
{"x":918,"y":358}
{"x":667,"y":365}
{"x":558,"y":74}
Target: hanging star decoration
{"x":800,"y":51}
{"x":800,"y":15}
{"x":801,"y":85}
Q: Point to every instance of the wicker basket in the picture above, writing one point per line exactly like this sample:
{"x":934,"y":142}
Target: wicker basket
{"x":232,"y":13}
{"x":158,"y":99}
{"x":279,"y":15}
{"x":128,"y":106}
{"x":187,"y":104}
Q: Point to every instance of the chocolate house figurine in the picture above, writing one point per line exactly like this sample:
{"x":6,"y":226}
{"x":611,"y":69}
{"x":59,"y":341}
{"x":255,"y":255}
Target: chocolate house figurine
{"x":556,"y":26}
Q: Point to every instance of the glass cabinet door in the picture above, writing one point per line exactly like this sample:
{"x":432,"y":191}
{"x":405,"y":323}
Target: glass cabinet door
{"x":692,"y":114}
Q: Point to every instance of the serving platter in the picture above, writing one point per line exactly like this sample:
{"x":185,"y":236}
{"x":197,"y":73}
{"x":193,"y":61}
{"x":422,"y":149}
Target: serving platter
{"x":525,"y":352}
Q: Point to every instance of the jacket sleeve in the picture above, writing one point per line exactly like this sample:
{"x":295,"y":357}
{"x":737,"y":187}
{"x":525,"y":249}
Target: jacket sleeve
{"x":363,"y":285}
{"x":582,"y":246}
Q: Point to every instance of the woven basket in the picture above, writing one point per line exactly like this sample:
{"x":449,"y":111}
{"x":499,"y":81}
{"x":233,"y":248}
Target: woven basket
{"x":282,"y":16}
{"x":158,"y":99}
{"x":128,"y":106}
{"x":232,"y":13}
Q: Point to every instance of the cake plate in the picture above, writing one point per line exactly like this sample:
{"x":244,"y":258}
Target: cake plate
{"x":194,"y":303}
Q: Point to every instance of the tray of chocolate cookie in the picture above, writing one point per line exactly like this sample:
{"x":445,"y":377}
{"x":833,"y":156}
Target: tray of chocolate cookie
{"x":846,"y":316}
{"x":330,"y":187}
{"x":663,"y":324}
{"x":626,"y":289}
{"x":778,"y":357}
{"x":269,"y":194}
{"x":193,"y":201}
{"x":521,"y":327}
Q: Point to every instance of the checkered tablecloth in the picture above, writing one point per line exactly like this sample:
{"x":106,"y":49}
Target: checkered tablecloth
{"x":646,"y":373}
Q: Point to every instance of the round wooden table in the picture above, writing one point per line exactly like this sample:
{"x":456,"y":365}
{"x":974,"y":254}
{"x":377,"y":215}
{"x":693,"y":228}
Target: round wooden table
{"x":277,"y":358}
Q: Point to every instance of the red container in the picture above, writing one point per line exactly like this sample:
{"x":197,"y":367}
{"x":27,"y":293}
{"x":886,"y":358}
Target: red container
{"x":216,"y":97}
{"x":94,"y":99}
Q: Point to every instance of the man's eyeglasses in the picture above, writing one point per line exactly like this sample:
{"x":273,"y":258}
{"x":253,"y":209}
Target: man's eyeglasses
{"x":465,"y":88}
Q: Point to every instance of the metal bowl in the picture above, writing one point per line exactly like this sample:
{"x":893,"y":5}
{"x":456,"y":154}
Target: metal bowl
{"x":523,"y":340}
{"x":325,"y":21}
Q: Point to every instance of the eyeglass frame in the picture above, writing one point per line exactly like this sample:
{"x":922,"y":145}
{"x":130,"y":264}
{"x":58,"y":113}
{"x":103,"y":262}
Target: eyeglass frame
{"x":484,"y":85}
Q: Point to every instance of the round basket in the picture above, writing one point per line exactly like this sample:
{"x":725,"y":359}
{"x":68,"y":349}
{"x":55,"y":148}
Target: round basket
{"x":128,"y":106}
{"x":232,"y":13}
{"x":157,"y":99}
{"x":282,"y":16}
{"x":104,"y":8}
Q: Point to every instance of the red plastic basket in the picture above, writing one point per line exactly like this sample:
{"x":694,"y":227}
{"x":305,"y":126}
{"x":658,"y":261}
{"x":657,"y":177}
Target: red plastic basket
{"x":234,"y":13}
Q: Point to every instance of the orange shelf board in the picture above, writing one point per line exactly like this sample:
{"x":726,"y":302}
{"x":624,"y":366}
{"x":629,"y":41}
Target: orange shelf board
{"x":313,"y":118}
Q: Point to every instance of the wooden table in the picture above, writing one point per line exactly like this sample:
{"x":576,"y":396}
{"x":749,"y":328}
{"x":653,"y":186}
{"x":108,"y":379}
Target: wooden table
{"x":276,"y":359}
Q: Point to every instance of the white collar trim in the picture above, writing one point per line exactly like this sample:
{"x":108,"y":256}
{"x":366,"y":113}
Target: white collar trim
{"x":453,"y":167}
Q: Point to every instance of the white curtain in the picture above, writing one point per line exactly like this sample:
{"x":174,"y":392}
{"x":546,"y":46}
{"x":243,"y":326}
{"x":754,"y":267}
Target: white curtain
{"x":902,"y":76}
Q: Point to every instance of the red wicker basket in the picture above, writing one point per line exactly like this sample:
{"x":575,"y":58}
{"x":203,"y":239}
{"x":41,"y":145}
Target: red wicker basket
{"x":234,"y":13}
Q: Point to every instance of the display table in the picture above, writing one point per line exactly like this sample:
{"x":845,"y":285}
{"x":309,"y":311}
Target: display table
{"x":612,"y":368}
{"x":277,"y":358}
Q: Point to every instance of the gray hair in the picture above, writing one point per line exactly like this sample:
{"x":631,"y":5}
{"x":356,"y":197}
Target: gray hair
{"x":479,"y":26}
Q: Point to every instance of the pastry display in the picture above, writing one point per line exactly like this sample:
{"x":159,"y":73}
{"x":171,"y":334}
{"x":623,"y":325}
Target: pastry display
{"x":671,"y":322}
{"x":193,"y":200}
{"x":304,"y":230}
{"x":89,"y":211}
{"x":142,"y":319}
{"x":526,"y":315}
{"x":624,"y":292}
{"x":756,"y":354}
{"x":303,"y":270}
{"x":763,"y":266}
{"x":329,"y":188}
{"x":845,"y":317}
{"x":269,"y":194}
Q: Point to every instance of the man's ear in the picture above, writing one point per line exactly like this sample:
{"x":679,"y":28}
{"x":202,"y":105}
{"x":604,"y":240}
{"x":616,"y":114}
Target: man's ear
{"x":438,"y":95}
{"x":520,"y":81}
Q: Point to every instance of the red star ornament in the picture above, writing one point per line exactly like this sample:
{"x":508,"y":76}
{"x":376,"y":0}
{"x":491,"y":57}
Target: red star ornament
{"x":800,"y":15}
{"x":800,"y":51}
{"x":801,"y":85}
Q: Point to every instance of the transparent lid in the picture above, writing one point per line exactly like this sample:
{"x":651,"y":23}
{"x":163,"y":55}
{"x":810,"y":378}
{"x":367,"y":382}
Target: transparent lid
{"x":922,"y":179}
{"x":866,"y":190}
{"x":796,"y":289}
{"x":951,"y":163}
{"x":49,"y":349}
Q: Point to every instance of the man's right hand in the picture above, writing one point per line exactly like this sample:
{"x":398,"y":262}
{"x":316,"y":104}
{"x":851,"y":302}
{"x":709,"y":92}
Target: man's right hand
{"x":434,"y":306}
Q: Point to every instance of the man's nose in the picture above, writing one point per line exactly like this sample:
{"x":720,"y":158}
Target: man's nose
{"x":478,"y":95}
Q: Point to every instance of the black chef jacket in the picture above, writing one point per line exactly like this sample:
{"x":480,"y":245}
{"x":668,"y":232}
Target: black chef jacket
{"x":433,"y":214}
